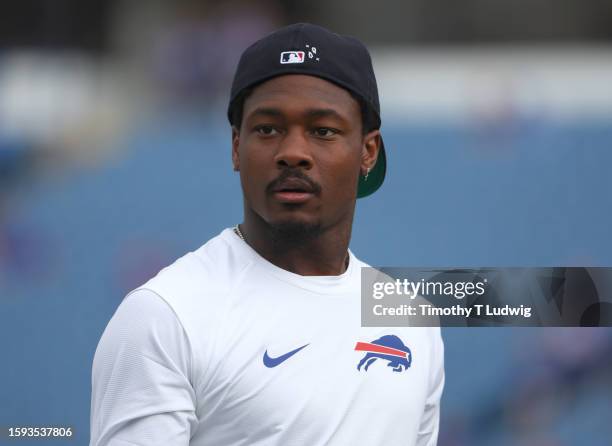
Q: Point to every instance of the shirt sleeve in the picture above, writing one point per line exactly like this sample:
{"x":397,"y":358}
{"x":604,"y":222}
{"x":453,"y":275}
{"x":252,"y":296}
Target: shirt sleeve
{"x":430,"y":421}
{"x":141,"y":377}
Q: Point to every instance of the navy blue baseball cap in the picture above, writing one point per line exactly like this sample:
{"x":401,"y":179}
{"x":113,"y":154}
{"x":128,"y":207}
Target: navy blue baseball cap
{"x":303,"y":48}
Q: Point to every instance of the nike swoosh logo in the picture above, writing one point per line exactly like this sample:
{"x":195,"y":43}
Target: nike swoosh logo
{"x":273,"y":362}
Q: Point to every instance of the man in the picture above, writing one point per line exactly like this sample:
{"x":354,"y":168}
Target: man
{"x":255,"y":337}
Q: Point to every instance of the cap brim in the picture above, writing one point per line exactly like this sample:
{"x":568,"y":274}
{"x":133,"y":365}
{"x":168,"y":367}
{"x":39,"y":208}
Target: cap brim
{"x":376,"y":175}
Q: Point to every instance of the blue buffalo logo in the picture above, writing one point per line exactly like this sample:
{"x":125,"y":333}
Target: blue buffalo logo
{"x":390,"y":348}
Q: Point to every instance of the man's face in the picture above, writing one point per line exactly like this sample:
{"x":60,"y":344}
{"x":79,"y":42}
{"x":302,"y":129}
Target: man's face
{"x":300,"y":150}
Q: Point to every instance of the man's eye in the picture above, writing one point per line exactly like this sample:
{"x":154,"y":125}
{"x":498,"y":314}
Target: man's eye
{"x":266,"y":130}
{"x":325,"y":132}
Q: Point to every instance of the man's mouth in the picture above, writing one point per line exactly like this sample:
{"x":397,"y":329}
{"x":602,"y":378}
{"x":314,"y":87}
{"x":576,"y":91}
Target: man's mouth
{"x":293,"y":190}
{"x":292,"y":196}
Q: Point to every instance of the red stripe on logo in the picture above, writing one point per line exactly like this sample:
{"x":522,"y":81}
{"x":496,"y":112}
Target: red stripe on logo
{"x":367,"y":347}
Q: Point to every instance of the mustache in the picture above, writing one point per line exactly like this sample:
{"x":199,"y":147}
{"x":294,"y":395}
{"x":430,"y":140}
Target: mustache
{"x":296,"y":174}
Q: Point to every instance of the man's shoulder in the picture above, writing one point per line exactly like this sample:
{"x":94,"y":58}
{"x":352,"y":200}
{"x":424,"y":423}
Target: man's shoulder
{"x":197,"y":286}
{"x":200,"y":273}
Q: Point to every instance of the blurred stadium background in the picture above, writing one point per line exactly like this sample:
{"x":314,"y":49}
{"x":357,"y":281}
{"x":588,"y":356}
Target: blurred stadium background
{"x":115,"y":160}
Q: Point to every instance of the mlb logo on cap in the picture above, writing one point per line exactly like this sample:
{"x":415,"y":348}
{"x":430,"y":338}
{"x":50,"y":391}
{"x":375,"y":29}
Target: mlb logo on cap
{"x":292,"y":57}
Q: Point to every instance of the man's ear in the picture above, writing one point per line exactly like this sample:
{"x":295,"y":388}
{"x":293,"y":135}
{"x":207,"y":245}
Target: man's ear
{"x":369,"y":151}
{"x":235,"y":145}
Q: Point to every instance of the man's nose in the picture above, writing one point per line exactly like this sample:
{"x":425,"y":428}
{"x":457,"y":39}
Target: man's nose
{"x":294,"y":150}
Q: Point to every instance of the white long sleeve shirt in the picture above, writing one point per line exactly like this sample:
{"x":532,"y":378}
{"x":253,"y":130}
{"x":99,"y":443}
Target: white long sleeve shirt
{"x":224,"y":348}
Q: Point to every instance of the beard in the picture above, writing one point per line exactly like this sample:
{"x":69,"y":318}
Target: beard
{"x":294,"y":233}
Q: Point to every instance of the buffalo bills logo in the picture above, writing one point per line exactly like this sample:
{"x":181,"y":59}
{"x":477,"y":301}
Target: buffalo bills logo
{"x":390,"y":348}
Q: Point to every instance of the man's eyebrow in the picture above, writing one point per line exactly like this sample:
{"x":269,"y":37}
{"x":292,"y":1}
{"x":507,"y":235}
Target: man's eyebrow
{"x":324,"y":113}
{"x":266,"y":111}
{"x":310,"y":113}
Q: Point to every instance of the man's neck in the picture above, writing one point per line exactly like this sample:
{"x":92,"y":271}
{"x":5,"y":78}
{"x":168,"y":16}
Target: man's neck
{"x":322,"y":254}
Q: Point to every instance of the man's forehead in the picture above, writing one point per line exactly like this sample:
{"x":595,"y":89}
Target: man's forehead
{"x":295,"y":90}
